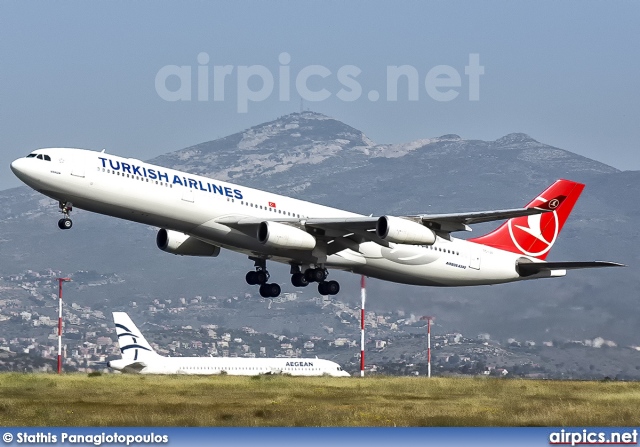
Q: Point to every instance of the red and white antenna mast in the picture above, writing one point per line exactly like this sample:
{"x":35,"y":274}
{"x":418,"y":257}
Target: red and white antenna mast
{"x":60,"y":281}
{"x":429,"y":320}
{"x":363,"y":294}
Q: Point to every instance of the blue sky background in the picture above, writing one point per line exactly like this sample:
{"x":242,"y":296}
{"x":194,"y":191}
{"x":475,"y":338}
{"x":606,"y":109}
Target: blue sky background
{"x":82,"y":74}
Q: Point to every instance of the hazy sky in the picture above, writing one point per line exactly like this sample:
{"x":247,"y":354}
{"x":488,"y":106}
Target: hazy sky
{"x":85,"y":74}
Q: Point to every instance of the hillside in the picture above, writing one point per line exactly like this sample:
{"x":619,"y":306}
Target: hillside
{"x":318,"y":158}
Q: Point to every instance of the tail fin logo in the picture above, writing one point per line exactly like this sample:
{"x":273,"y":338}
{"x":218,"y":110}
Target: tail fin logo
{"x":553,"y":203}
{"x":528,"y":233}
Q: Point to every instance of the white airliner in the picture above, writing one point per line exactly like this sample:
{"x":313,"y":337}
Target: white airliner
{"x":139,"y":357}
{"x":197,"y":216}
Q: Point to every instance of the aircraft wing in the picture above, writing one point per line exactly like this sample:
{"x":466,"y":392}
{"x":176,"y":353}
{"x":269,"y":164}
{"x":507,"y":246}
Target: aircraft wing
{"x":461,"y":221}
{"x":364,"y":228}
{"x":439,"y":222}
{"x":532,"y":268}
{"x":445,"y":223}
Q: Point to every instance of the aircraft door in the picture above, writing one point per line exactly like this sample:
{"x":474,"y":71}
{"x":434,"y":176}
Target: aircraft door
{"x":474,"y":259}
{"x":77,"y":170}
{"x":187,"y":196}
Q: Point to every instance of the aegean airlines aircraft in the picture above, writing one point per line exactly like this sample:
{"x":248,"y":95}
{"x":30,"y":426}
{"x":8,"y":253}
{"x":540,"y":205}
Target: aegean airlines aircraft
{"x":140,"y":358}
{"x":198,"y":216}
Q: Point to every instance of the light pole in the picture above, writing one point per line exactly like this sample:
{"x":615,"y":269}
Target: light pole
{"x":429,"y":320}
{"x":60,"y":281}
{"x":363,"y":294}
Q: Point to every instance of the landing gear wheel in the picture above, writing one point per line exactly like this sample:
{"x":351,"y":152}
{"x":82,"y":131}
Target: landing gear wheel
{"x":65,"y":224}
{"x":269,"y":290}
{"x":252,"y":278}
{"x":65,"y":208}
{"x":262,"y":276}
{"x":328,"y":288}
{"x":315,"y":275}
{"x":275,"y":290}
{"x":332,"y":287}
{"x":299,"y":280}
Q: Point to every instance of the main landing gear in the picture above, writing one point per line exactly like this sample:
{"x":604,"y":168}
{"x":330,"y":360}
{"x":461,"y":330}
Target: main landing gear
{"x":65,"y":208}
{"x":319,"y":275}
{"x":298,"y":279}
{"x":261,"y":276}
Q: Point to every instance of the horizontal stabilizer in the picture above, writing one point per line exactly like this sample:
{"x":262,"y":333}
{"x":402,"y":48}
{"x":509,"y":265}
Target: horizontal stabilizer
{"x":532,"y":268}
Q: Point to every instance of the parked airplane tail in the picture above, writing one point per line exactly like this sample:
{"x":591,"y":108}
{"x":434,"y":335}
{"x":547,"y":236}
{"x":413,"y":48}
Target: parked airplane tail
{"x":535,"y":235}
{"x":133,"y":345}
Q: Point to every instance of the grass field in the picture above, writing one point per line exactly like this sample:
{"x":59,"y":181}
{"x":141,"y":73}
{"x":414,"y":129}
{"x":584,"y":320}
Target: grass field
{"x":130,"y":400}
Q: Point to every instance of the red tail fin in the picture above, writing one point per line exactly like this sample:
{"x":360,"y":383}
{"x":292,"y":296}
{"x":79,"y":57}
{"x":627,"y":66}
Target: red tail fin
{"x":535,"y":235}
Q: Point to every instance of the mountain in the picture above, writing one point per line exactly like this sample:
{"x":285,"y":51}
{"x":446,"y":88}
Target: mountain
{"x":314,"y":157}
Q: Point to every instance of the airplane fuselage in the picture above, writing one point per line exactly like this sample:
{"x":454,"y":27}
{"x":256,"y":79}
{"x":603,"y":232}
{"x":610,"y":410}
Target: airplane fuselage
{"x":195,"y":205}
{"x":231,"y":366}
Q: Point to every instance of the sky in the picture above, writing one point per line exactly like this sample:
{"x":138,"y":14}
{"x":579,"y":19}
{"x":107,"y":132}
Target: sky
{"x":141,"y":79}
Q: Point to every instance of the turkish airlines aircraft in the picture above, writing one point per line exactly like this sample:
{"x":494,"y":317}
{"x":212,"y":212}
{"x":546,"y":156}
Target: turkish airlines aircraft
{"x":139,"y":357}
{"x":197,"y":216}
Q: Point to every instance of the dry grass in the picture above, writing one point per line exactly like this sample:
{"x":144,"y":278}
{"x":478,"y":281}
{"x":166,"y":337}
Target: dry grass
{"x":128,"y":400}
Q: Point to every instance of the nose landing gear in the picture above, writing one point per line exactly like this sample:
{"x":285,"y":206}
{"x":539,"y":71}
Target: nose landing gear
{"x":65,"y":208}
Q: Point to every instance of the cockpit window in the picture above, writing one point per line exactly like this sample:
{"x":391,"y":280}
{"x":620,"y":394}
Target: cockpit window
{"x":40,"y":157}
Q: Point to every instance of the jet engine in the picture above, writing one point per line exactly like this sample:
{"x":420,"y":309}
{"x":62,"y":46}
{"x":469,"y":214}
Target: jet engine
{"x":275,"y":234}
{"x":403,"y":231}
{"x":178,"y":243}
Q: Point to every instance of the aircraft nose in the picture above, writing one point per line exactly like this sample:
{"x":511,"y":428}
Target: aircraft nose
{"x":20,"y":168}
{"x":17,"y":166}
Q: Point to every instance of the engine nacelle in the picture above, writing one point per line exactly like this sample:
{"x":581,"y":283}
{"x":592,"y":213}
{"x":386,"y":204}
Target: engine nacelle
{"x":275,"y":234}
{"x":403,"y":231}
{"x":178,"y":243}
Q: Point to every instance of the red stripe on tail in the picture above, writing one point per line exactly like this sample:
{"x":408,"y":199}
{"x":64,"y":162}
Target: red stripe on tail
{"x":535,"y":235}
